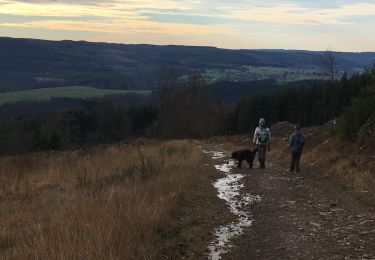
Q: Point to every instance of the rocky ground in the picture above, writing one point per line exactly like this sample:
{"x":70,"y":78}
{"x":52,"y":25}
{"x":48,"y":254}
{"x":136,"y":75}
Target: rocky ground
{"x":302,"y":216}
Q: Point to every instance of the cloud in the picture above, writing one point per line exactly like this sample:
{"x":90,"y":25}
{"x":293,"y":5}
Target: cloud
{"x":298,"y":14}
{"x":10,"y":18}
{"x":121,"y":25}
{"x":216,"y":21}
{"x":74,"y":2}
{"x":291,"y":12}
{"x":115,"y":18}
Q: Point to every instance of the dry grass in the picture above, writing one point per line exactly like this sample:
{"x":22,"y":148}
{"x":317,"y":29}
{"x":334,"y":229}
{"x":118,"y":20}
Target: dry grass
{"x":108,"y":203}
{"x":324,"y":155}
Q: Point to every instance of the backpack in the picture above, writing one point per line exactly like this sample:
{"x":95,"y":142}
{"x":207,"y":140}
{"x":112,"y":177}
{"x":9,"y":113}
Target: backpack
{"x":263,"y":135}
{"x":299,"y":141}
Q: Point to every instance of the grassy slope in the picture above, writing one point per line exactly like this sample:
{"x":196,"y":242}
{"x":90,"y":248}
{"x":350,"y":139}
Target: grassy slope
{"x":345,"y":164}
{"x":78,"y":92}
{"x":326,"y":155}
{"x":150,"y":201}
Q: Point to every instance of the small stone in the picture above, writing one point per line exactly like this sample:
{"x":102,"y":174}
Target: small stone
{"x":315,"y":224}
{"x":366,"y":222}
{"x":324,"y":214}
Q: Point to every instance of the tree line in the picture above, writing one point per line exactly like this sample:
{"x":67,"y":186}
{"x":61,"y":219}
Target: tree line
{"x":307,"y":106}
{"x":191,"y":111}
{"x":90,"y":124}
{"x":360,"y":114}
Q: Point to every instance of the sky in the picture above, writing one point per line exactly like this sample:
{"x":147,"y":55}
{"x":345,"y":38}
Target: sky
{"x":340,"y":25}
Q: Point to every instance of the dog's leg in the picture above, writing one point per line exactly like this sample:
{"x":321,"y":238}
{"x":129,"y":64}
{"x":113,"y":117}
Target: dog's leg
{"x":248,"y":161}
{"x":239,"y":164}
{"x":253,"y":158}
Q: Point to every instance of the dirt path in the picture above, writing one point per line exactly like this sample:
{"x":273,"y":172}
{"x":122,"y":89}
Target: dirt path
{"x":300,"y":217}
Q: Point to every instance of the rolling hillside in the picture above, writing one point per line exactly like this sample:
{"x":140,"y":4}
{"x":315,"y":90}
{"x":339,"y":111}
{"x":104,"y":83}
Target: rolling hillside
{"x":29,"y":64}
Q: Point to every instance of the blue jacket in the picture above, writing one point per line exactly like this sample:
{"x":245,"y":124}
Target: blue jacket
{"x":296,"y":142}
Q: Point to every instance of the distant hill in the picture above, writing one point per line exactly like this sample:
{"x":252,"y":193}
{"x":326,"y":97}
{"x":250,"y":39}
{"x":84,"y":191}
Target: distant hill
{"x":28,"y":63}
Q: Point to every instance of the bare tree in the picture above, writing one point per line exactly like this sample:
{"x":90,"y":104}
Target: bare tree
{"x":329,"y":63}
{"x":167,"y":84}
{"x":188,"y":111}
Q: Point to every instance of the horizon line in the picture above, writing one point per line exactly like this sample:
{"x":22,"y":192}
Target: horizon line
{"x":182,"y":45}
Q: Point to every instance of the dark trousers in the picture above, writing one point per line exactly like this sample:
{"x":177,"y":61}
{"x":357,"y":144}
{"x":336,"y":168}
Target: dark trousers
{"x":262,"y":151}
{"x":296,"y":156}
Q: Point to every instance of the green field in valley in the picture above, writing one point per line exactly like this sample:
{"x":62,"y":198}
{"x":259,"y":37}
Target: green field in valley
{"x":250,"y":73}
{"x":77,"y":92}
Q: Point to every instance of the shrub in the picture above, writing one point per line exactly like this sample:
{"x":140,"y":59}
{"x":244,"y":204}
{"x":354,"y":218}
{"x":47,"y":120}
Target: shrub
{"x":357,"y":114}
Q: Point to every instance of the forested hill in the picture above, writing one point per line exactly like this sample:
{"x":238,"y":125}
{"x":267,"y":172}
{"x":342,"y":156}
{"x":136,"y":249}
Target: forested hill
{"x":28,"y":63}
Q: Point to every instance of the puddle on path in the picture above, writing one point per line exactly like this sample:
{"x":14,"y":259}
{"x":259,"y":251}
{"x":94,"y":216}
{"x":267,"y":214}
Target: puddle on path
{"x":229,"y":190}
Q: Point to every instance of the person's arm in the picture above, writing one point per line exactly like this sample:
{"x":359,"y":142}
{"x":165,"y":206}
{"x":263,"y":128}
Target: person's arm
{"x":255,"y":136}
{"x":291,"y":141}
{"x":269,"y":140}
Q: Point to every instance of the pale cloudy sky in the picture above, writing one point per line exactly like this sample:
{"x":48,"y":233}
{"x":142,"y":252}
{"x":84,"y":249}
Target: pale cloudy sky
{"x":291,"y":24}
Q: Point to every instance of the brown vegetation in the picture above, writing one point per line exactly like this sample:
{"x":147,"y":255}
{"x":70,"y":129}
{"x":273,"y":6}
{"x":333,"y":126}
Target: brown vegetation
{"x":325,"y":155}
{"x":112,"y":202}
{"x":351,"y":165}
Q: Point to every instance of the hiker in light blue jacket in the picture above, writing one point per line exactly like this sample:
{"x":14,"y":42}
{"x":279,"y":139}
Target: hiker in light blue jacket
{"x":262,"y":138}
{"x":296,"y":144}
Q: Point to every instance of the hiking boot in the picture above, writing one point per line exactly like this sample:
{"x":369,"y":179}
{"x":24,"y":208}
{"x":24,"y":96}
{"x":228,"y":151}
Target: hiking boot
{"x":262,"y":164}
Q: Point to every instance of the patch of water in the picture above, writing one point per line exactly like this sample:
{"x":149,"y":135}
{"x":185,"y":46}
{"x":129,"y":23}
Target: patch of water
{"x":215,"y":154}
{"x":229,"y":190}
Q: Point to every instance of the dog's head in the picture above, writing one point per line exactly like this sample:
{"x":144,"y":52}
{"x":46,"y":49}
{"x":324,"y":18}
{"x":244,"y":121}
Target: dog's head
{"x":235,"y":155}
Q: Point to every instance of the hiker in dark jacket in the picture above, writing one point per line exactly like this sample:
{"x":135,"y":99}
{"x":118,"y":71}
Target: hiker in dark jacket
{"x":296,"y":143}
